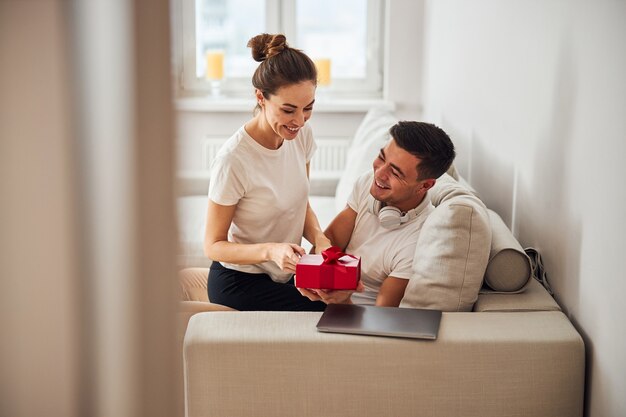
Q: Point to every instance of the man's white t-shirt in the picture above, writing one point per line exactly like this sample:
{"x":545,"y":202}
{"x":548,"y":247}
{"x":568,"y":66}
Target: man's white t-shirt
{"x":270,"y":189}
{"x":383,"y":252}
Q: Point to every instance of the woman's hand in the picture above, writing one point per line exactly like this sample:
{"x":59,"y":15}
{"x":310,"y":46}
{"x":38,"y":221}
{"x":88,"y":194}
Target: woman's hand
{"x":285,"y":255}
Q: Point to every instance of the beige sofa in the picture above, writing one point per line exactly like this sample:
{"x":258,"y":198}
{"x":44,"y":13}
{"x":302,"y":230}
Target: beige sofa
{"x":514,"y":354}
{"x":504,"y":347}
{"x":520,"y":362}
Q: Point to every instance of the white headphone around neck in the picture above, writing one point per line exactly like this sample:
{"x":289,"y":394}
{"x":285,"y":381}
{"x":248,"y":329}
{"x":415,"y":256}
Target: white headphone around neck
{"x":391,"y":217}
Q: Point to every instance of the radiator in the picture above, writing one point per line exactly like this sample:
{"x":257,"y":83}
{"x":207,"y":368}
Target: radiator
{"x":329,"y":159}
{"x":330,"y":156}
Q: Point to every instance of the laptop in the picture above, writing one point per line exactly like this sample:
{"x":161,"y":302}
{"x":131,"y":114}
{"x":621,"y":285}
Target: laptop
{"x":380,"y":321}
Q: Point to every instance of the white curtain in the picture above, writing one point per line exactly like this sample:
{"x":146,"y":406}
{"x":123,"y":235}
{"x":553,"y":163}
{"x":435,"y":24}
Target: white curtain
{"x":87,"y":231}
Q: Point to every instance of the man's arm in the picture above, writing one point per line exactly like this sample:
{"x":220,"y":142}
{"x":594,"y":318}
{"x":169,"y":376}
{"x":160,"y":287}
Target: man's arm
{"x":389,"y":295}
{"x":313,"y":232}
{"x":339,"y":231}
{"x":391,"y":292}
{"x":331,"y":296}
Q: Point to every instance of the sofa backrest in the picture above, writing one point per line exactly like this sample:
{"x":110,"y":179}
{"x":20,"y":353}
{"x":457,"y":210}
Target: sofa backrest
{"x":462,"y":246}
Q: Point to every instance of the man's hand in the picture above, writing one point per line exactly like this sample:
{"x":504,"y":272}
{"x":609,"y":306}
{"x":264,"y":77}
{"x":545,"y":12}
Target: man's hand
{"x":331,"y":296}
{"x":285,"y":255}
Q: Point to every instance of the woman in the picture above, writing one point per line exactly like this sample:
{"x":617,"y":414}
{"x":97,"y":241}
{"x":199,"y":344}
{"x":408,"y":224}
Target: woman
{"x":258,"y":207}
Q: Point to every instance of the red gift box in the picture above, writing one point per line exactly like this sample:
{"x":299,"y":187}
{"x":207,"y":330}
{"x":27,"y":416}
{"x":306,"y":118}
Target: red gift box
{"x":332,"y":270}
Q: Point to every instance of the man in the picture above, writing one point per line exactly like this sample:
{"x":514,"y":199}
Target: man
{"x":385,"y":212}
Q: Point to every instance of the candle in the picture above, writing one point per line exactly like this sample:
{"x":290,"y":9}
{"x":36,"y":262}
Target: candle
{"x":214,"y":65}
{"x":323,"y":71}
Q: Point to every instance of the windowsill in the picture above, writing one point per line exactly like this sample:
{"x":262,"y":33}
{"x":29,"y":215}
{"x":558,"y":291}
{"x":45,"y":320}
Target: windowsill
{"x":240,"y":104}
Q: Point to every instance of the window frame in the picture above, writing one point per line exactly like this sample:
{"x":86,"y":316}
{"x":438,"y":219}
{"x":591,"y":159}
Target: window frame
{"x":280,"y":18}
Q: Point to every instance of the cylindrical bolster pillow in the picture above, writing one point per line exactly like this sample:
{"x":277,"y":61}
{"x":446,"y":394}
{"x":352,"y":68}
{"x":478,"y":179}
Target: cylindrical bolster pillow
{"x":509,"y":268}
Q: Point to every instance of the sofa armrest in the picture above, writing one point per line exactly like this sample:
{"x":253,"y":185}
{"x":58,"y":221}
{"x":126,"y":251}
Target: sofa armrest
{"x":533,"y":298}
{"x":482,"y":364}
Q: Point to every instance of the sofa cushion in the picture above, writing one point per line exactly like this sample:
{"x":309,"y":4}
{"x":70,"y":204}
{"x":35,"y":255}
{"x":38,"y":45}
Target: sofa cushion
{"x":370,"y":136}
{"x":193,"y":283}
{"x":534,"y":298}
{"x":451,"y":254}
{"x":509,"y":267}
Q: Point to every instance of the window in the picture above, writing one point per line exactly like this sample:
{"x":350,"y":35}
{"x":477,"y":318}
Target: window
{"x":348,"y":33}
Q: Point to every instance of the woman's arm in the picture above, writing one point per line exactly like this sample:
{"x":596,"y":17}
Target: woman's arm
{"x":218,"y":248}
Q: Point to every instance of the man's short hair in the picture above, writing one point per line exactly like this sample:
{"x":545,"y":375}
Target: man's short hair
{"x":427,"y":142}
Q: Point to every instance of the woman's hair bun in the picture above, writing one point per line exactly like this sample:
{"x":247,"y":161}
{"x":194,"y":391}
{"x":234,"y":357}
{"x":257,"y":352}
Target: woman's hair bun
{"x":267,"y":45}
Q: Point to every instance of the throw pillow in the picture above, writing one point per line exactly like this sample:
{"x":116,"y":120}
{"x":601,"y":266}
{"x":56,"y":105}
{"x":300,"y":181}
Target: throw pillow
{"x":451,"y":254}
{"x":371,"y":135}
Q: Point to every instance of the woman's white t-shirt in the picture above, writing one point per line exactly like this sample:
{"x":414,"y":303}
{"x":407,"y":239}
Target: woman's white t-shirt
{"x":270,"y":189}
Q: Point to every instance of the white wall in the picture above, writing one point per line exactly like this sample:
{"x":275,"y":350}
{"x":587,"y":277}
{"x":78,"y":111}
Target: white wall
{"x":404,"y":32}
{"x":534,"y":95}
